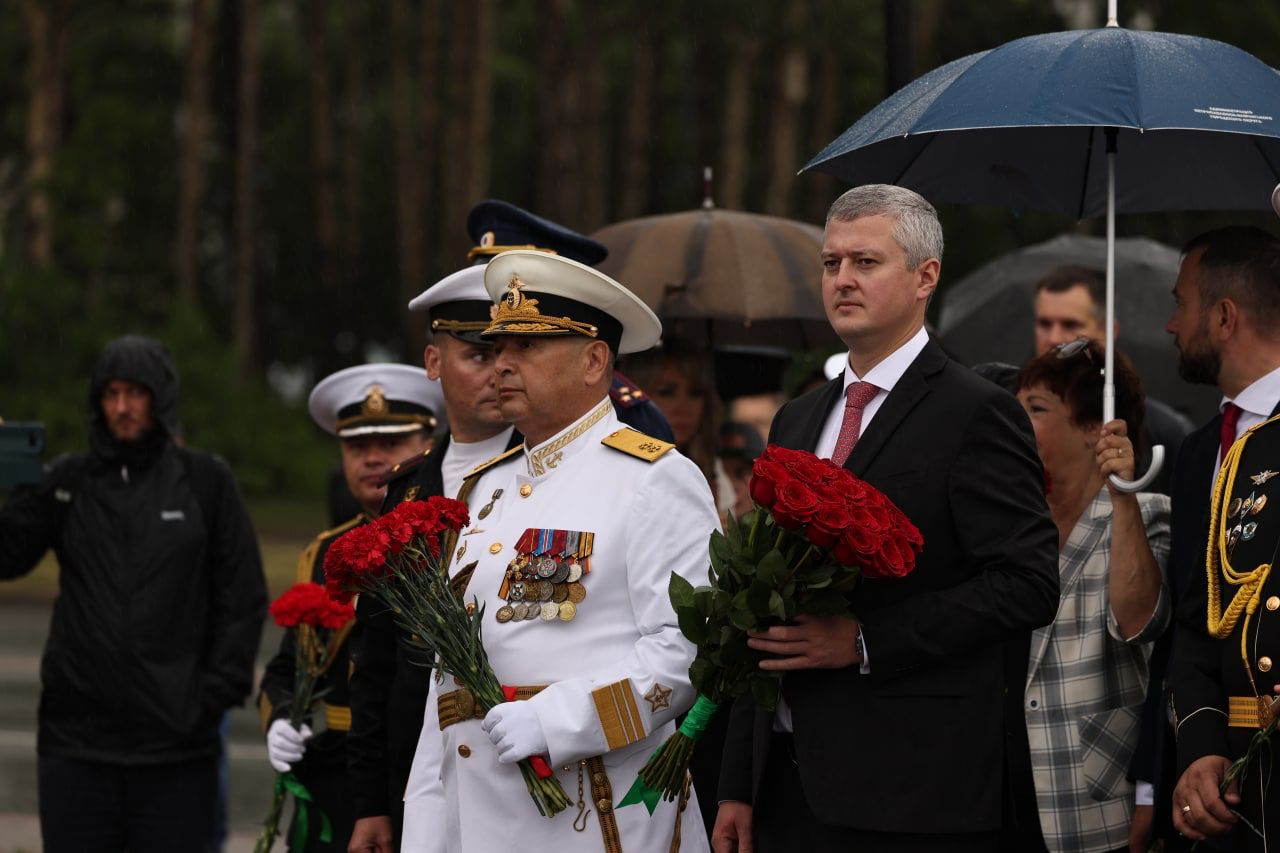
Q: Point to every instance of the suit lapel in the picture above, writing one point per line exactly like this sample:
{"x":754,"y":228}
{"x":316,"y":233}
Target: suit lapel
{"x":909,"y":390}
{"x":812,"y":416}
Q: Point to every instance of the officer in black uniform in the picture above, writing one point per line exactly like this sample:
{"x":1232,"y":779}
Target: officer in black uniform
{"x":381,"y":413}
{"x":1226,"y":674}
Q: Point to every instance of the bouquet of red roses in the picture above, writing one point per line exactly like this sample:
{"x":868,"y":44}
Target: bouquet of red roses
{"x":322,"y":625}
{"x":815,"y":531}
{"x":397,"y":558}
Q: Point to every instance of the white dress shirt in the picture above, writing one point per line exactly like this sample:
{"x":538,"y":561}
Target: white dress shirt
{"x":460,"y":458}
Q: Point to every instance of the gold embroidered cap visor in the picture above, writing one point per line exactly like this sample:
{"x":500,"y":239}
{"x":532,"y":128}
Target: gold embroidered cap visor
{"x":540,"y":294}
{"x":376,"y":399}
{"x":457,"y":305}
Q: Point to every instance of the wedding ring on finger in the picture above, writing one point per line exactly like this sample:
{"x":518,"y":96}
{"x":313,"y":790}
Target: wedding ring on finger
{"x":1186,"y":809}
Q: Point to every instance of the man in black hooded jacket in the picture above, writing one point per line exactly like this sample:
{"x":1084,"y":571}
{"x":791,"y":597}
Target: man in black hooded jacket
{"x":156,"y":624}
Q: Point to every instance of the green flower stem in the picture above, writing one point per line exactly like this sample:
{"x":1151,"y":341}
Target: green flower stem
{"x":755,"y":526}
{"x":809,"y":552}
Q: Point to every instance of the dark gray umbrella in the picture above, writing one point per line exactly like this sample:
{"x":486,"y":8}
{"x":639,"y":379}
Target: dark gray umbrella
{"x":987,"y":315}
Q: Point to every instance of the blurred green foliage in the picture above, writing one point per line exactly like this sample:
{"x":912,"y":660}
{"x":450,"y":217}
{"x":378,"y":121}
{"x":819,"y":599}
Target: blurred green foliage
{"x":49,"y":343}
{"x":115,"y":180}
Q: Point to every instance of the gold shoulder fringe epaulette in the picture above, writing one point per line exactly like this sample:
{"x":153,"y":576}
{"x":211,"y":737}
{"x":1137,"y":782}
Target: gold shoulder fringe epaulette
{"x":399,"y":469}
{"x":635,"y":443}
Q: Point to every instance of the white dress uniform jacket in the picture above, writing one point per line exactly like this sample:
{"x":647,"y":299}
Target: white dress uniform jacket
{"x":649,"y":519}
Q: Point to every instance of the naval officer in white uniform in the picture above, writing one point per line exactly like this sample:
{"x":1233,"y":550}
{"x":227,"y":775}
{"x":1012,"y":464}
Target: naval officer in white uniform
{"x":574,"y":536}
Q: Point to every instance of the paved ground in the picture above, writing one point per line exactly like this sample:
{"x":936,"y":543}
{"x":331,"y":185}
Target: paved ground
{"x":23,"y":628}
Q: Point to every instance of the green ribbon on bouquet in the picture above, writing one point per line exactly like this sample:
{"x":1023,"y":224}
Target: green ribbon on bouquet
{"x":289,"y":783}
{"x":659,"y":775}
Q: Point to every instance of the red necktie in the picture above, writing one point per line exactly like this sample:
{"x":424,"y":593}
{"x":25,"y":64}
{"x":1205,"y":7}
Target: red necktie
{"x":858,"y":395}
{"x":1230,"y":418}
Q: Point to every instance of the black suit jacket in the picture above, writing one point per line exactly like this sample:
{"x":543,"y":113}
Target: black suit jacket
{"x":917,"y":745}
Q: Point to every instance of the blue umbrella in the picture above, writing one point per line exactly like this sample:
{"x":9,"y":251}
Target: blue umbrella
{"x":1079,"y":123}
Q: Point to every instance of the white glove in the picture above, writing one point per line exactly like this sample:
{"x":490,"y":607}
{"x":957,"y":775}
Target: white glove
{"x":285,"y":744}
{"x":515,"y":731}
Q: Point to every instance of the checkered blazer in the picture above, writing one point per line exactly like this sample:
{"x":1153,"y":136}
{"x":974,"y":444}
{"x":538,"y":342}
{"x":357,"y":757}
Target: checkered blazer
{"x":1085,"y":689}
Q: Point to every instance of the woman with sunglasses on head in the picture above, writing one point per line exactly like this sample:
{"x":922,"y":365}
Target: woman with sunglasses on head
{"x":1087,"y":671}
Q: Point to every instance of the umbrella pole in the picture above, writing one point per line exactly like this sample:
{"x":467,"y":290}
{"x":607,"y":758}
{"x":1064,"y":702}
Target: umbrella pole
{"x":1108,"y":383}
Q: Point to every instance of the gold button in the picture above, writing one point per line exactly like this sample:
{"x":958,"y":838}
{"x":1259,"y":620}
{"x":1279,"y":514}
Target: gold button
{"x":1273,"y":602}
{"x":464,"y":750}
{"x":1264,"y":663}
{"x":603,"y":806}
{"x":526,"y":490}
{"x":495,"y":547}
{"x":471,"y":608}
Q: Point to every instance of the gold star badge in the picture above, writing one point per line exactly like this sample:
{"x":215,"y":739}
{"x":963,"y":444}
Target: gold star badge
{"x":658,"y":697}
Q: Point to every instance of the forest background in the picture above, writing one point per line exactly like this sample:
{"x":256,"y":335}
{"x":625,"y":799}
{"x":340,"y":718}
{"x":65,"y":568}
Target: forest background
{"x":263,"y":184}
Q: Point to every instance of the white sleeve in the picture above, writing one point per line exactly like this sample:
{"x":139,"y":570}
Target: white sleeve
{"x":424,"y":803}
{"x":670,"y":521}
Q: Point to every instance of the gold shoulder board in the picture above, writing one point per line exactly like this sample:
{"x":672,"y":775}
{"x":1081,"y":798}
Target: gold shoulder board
{"x":635,"y":443}
{"x":485,"y":466}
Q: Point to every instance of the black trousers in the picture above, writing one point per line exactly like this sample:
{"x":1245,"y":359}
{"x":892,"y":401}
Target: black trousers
{"x":784,"y":822}
{"x":94,"y":807}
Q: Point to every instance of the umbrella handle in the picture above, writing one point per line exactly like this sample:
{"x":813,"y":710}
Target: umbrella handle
{"x":1130,"y":486}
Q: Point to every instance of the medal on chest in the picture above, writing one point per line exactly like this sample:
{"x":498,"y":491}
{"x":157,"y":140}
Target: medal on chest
{"x":545,"y":580}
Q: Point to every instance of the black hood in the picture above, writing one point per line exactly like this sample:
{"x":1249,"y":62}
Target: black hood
{"x":150,"y":364}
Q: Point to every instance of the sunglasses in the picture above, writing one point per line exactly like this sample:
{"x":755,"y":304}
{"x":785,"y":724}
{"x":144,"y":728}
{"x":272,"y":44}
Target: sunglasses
{"x":1073,"y":348}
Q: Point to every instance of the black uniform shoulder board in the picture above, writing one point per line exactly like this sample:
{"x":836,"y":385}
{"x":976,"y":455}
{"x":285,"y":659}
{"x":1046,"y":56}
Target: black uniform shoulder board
{"x":635,"y":443}
{"x":624,"y":393}
{"x":399,"y":469}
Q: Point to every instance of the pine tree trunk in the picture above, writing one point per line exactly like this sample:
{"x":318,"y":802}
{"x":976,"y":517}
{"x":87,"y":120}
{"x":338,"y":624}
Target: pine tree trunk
{"x":430,"y":180}
{"x":481,"y":102}
{"x":245,"y":322}
{"x":47,"y":44}
{"x":792,"y":90}
{"x":593,"y":134}
{"x":354,"y":122}
{"x":456,"y":157}
{"x":637,"y":137}
{"x":194,"y":139}
{"x":826,"y":117}
{"x":731,"y":177}
{"x":558,"y":98}
{"x":323,"y":159}
{"x":409,"y":242}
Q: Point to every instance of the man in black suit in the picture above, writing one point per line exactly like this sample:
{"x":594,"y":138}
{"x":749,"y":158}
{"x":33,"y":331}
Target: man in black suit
{"x":1225,"y":325}
{"x":889,"y":735}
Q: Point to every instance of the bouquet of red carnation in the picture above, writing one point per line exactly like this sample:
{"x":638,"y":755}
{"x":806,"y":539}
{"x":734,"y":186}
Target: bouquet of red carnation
{"x":322,"y":625}
{"x":815,"y":532}
{"x":398,"y":559}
